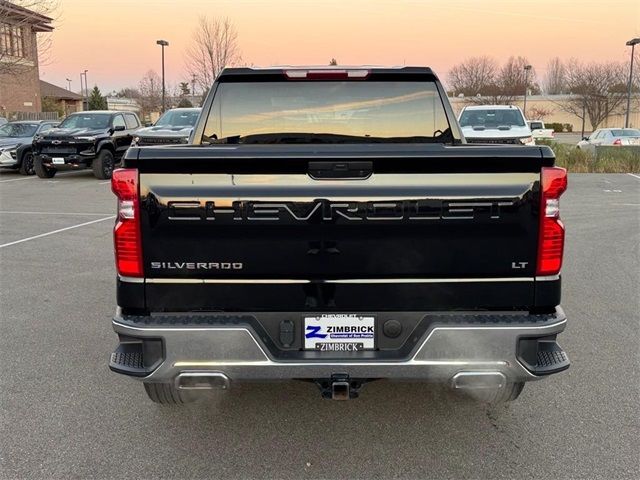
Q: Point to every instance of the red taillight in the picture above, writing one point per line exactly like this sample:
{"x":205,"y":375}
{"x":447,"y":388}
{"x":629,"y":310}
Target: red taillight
{"x":551,"y":237}
{"x":126,"y":233}
{"x":617,"y":142}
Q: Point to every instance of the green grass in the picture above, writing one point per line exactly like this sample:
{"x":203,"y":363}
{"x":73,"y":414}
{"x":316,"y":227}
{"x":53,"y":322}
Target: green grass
{"x":608,"y":160}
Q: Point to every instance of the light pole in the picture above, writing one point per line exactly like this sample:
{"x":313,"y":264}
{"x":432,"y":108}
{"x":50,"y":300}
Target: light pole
{"x":526,"y":86}
{"x":162,"y":43}
{"x":85,"y":91}
{"x":69,"y":82}
{"x":631,"y":43}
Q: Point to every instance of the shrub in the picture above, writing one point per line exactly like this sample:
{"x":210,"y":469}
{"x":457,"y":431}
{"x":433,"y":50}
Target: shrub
{"x":609,"y":160}
{"x":557,"y":127}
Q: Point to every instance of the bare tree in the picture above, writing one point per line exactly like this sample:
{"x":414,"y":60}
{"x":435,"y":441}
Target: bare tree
{"x":599,"y":89}
{"x":20,"y":18}
{"x":555,"y":80}
{"x":128,"y":92}
{"x":150,"y":88}
{"x":474,"y":76}
{"x":214,"y":46}
{"x":538,"y":113}
{"x":514,"y":79}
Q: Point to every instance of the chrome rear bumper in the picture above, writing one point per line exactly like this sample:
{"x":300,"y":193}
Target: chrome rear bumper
{"x":444,"y":352}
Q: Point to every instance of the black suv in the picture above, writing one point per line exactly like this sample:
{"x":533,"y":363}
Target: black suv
{"x":96,"y":139}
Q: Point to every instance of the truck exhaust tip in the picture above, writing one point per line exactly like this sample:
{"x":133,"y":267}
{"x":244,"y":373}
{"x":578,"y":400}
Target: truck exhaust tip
{"x":202,"y":381}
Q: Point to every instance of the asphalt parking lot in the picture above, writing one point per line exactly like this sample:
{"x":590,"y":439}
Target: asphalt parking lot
{"x":65,"y":415}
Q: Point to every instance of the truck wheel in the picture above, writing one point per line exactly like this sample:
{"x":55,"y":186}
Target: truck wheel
{"x":26,"y":167}
{"x":41,"y":170}
{"x":165,"y":393}
{"x":510,"y":392}
{"x":103,"y":165}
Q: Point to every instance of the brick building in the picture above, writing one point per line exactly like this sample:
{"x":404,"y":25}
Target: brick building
{"x":19,"y":73}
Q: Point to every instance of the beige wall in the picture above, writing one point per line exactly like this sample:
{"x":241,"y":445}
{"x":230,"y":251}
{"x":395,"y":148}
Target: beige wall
{"x":560,"y":116}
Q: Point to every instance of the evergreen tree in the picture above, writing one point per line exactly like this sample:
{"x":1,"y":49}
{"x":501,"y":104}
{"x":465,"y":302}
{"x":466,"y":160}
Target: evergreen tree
{"x":96,"y":100}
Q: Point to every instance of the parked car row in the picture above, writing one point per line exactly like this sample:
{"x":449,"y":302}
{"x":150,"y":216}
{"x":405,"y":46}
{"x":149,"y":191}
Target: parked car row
{"x":91,"y":139}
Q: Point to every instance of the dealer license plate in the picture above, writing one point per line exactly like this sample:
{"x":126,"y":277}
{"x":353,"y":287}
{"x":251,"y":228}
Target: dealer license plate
{"x":58,"y":160}
{"x":340,"y":332}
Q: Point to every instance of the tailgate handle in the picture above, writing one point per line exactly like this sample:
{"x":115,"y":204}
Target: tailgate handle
{"x":359,"y":170}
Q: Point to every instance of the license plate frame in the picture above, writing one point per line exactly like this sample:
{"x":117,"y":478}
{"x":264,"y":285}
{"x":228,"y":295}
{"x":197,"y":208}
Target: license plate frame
{"x":57,"y":160}
{"x":339,"y":332}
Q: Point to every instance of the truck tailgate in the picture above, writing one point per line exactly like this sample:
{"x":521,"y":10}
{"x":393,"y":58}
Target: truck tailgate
{"x":432,"y":233}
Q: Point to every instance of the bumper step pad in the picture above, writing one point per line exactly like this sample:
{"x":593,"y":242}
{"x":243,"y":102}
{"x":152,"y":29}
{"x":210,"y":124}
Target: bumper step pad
{"x":136,"y":357}
{"x":551,"y":358}
{"x":542,"y":356}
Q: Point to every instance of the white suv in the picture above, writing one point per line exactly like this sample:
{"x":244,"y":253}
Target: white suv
{"x":495,"y":124}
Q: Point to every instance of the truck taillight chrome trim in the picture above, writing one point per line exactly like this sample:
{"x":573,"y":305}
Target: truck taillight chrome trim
{"x":126,"y":232}
{"x":551,"y":236}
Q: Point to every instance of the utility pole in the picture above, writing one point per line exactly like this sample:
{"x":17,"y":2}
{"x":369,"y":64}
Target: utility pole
{"x":162,"y":43}
{"x":631,"y":43}
{"x":193,"y":85}
{"x":526,"y":86}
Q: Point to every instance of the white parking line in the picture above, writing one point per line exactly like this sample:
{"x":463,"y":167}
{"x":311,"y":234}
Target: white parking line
{"x":56,"y":231}
{"x":14,"y":212}
{"x":35,"y":177}
{"x":18,"y":179}
{"x":634,"y":175}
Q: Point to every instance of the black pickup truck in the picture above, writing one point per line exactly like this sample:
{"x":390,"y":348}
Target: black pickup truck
{"x":95,"y":139}
{"x":333,"y":226}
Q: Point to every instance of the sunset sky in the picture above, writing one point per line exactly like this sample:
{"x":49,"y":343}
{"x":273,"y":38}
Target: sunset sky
{"x":115,"y":40}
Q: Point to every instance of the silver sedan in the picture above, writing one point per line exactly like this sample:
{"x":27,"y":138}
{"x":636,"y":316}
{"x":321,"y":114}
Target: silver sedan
{"x":610,"y":137}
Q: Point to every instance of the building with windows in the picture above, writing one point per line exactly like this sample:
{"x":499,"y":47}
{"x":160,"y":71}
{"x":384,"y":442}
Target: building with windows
{"x":19,"y":72}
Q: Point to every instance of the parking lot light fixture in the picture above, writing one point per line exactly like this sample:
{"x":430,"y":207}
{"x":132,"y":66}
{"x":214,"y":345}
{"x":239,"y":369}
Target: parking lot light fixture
{"x":162,"y":43}
{"x":84,"y":91}
{"x":526,"y":86}
{"x":631,"y":43}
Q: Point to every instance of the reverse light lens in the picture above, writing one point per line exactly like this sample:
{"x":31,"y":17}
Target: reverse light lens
{"x":526,"y":140}
{"x":551,"y":236}
{"x":126,"y":232}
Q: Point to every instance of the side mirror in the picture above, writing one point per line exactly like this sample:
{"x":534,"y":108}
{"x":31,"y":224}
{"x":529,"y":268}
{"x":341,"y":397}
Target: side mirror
{"x":118,"y":128}
{"x":148,"y":124}
{"x":586,"y":139}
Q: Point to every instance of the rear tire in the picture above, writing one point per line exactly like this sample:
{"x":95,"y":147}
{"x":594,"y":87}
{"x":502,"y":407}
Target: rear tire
{"x":509,"y":393}
{"x":26,"y":166}
{"x":103,"y":165}
{"x":165,"y":394}
{"x":41,"y":170}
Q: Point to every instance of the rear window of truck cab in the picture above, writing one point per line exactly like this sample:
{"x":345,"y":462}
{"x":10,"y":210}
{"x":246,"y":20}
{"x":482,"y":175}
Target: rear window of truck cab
{"x":327,"y":112}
